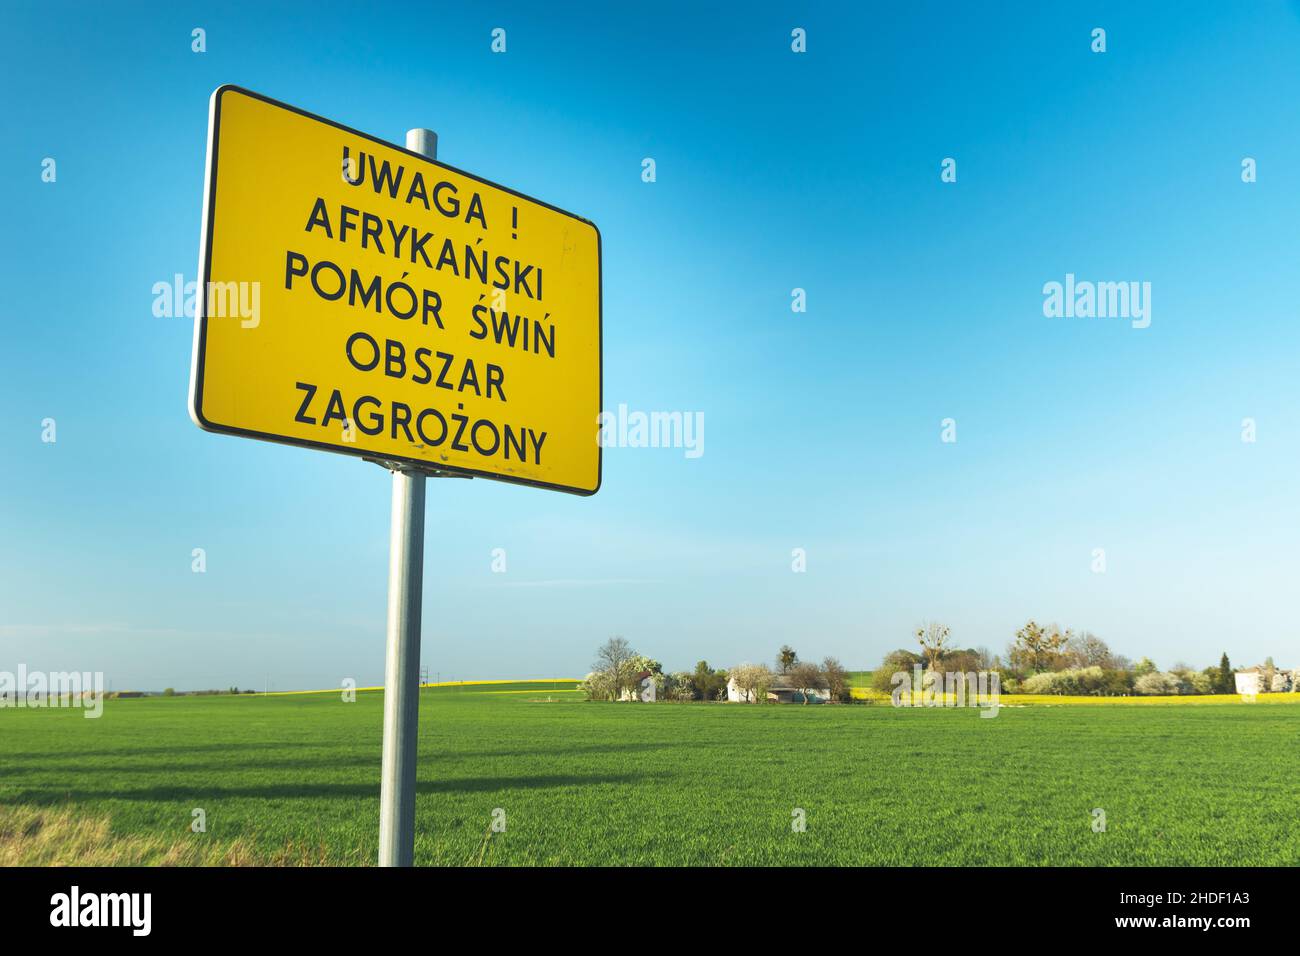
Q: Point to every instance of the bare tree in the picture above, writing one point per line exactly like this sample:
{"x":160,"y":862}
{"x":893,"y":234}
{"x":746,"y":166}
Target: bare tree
{"x":1088,"y":650}
{"x":836,"y":677}
{"x":933,"y":638}
{"x":786,"y":658}
{"x":806,"y":678}
{"x":613,"y":659}
{"x":1038,"y":642}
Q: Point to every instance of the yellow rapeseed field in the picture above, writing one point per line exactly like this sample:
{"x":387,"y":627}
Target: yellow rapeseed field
{"x":1014,"y":700}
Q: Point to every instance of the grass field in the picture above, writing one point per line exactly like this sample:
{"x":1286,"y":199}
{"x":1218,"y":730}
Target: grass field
{"x":294,"y":779}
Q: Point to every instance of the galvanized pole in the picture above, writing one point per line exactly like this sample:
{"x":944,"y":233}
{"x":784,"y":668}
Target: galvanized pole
{"x":402,"y":667}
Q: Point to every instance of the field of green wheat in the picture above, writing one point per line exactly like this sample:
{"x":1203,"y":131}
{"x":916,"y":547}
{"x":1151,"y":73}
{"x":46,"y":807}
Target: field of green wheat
{"x":295,"y":779}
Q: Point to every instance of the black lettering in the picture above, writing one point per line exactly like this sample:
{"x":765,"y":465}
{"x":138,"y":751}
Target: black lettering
{"x":383,"y":178}
{"x":456,"y":444}
{"x":315,"y":279}
{"x":397,"y":238}
{"x":503,"y":278}
{"x":302,"y":409}
{"x":349,"y":167}
{"x":473,"y":437}
{"x":394,"y":359}
{"x":448,"y":257}
{"x":425,"y":374}
{"x":374,"y":349}
{"x":334,"y":409}
{"x":496,"y":376}
{"x":347,"y":221}
{"x":540,"y":337}
{"x":419,"y":427}
{"x":521,"y":280}
{"x":442,"y":372}
{"x":433,"y":307}
{"x":537,"y":445}
{"x":473,"y":264}
{"x":503,"y":325}
{"x":319,"y":216}
{"x":404,"y":421}
{"x":452,"y":207}
{"x":367,"y":293}
{"x":388,"y":299}
{"x":517,"y":440}
{"x":417,"y":245}
{"x":371,"y":227}
{"x":376,"y":423}
{"x":477,"y":314}
{"x":475,"y":210}
{"x":468,"y":377}
{"x":417,"y":190}
{"x":291,"y":262}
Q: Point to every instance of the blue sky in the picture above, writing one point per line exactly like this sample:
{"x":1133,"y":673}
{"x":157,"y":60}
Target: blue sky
{"x":775,"y":170}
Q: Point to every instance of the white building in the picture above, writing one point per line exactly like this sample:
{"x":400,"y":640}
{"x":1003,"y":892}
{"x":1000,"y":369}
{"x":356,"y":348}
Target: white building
{"x":1247,"y":682}
{"x":780,"y":691}
{"x":1250,"y":681}
{"x":644,"y":690}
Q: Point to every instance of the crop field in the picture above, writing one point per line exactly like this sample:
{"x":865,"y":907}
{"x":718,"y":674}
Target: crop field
{"x":295,"y":779}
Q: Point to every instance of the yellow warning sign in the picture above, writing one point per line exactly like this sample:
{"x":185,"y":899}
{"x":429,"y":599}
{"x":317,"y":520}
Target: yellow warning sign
{"x":360,"y":298}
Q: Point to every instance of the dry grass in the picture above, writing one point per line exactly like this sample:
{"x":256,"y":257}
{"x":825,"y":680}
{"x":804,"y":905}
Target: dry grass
{"x":45,"y":836}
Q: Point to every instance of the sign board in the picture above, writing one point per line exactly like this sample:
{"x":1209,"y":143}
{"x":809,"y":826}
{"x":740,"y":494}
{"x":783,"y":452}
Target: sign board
{"x":360,"y":298}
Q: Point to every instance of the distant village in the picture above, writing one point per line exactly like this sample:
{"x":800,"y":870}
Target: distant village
{"x":1041,"y":660}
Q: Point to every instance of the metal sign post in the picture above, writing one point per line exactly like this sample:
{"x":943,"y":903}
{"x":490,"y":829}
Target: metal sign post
{"x":507,"y":287}
{"x":402,"y":663}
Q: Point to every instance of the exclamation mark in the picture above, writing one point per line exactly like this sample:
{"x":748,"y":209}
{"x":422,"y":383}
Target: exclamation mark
{"x":514,"y":222}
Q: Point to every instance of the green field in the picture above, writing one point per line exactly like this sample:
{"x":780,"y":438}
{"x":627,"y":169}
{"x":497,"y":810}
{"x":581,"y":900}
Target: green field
{"x":592,"y":783}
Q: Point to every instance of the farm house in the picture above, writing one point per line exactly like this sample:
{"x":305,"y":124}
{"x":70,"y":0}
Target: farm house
{"x":1250,"y":680}
{"x":779,"y":691}
{"x":645,"y":688}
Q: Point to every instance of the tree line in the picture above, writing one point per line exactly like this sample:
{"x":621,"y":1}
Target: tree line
{"x":614,"y":676}
{"x":1044,"y":659}
{"x":1041,"y":659}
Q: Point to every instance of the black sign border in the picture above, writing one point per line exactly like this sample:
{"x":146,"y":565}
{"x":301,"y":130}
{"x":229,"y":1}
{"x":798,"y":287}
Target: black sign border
{"x":415,"y":464}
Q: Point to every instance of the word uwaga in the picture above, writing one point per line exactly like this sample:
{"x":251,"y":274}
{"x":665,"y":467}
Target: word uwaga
{"x":74,"y":908}
{"x":352,"y":227}
{"x":954,"y":689}
{"x":57,"y":689}
{"x":1099,"y":300}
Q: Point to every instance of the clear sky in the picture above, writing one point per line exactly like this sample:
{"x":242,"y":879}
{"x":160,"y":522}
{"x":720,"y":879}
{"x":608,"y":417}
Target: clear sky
{"x":775,"y":170}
